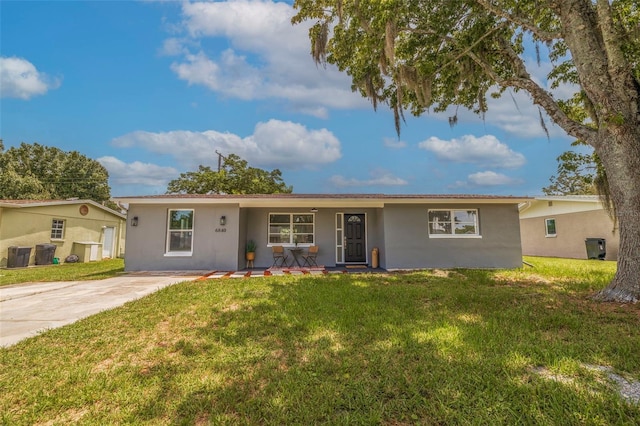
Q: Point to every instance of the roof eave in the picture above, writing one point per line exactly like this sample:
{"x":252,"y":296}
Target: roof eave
{"x":318,"y":202}
{"x":61,"y":203}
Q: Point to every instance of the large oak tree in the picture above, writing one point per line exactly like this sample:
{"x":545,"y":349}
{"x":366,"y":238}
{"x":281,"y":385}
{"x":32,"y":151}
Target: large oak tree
{"x":39,"y":172}
{"x":418,"y":55}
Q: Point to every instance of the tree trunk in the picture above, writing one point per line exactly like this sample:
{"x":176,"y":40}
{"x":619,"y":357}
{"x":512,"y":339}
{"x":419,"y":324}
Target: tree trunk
{"x":613,"y":94}
{"x":619,"y":150}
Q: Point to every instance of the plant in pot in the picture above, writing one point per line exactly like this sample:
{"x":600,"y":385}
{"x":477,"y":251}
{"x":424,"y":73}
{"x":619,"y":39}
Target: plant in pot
{"x":251,"y":250}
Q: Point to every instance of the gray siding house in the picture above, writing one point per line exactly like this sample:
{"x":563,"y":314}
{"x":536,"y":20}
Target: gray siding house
{"x":209,"y":232}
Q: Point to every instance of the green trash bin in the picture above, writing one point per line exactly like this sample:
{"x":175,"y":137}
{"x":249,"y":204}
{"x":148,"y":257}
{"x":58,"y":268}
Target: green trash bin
{"x":596,"y":248}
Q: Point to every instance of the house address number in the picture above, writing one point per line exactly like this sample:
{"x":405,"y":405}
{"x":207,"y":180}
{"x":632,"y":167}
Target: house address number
{"x":221,"y":229}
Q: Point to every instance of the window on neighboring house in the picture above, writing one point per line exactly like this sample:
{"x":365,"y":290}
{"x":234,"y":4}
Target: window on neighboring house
{"x":57,"y":229}
{"x":291,"y":228}
{"x":550,"y":227}
{"x":180,"y":232}
{"x":453,"y":223}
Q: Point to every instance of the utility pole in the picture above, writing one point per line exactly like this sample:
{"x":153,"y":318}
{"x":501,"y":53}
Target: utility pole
{"x":220,"y":157}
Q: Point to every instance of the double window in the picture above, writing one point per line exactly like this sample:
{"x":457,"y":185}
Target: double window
{"x":291,"y":228}
{"x":57,"y":229}
{"x":180,"y":232}
{"x":550,"y":227}
{"x":453,"y":223}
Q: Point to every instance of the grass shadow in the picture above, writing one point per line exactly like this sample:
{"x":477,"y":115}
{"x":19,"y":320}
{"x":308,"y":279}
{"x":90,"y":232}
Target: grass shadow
{"x":430,"y":347}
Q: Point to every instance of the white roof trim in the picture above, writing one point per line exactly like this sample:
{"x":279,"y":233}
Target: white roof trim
{"x":319,"y":202}
{"x":572,"y":198}
{"x":46,"y":203}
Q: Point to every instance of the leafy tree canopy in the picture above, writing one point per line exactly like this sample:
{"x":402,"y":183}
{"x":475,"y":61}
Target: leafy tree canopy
{"x":234,"y":177}
{"x":34,"y":171}
{"x":417,"y":55}
{"x":575,"y":176}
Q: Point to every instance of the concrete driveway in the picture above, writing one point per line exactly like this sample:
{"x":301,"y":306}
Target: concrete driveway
{"x":28,"y":309}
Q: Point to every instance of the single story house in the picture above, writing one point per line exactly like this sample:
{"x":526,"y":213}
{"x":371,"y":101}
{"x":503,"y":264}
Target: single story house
{"x":559,"y":226}
{"x":82,"y":227}
{"x":210,"y":232}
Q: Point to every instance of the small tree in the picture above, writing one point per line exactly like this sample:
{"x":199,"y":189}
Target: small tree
{"x":576,"y":175}
{"x":234,"y":177}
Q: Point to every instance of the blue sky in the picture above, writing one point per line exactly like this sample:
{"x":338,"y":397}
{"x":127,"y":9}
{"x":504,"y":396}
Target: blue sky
{"x":153,"y":89}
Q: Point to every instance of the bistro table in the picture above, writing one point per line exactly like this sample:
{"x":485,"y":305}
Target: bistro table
{"x":296,"y":251}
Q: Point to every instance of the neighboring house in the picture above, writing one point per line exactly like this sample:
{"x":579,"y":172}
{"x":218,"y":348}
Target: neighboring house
{"x":558,"y":226}
{"x":81,"y":227}
{"x":209,"y":232}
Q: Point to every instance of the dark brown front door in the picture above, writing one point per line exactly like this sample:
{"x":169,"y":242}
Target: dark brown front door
{"x":355,"y":247}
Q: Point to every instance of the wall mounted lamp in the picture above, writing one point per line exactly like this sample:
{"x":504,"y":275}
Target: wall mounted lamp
{"x":314,"y":210}
{"x":134,"y":221}
{"x":223,"y":220}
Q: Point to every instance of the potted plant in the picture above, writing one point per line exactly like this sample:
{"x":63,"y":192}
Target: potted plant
{"x":251,"y":250}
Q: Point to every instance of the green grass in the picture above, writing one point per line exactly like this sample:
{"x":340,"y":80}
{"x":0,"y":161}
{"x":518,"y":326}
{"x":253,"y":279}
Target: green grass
{"x":430,"y":348}
{"x":63,"y":272}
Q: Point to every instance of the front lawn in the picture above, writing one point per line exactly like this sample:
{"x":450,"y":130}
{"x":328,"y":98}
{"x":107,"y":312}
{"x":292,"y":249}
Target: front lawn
{"x":430,"y":348}
{"x":64,"y":272}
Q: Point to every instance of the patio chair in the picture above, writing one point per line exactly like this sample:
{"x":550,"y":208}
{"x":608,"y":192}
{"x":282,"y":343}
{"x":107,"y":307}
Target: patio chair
{"x":310,"y":256}
{"x":279,"y":256}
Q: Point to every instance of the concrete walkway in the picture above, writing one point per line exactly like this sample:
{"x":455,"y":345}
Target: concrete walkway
{"x":28,"y":309}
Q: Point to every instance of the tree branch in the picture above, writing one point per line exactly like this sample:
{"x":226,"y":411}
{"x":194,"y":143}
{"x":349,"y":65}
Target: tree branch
{"x":541,"y":97}
{"x":468,"y":49}
{"x":520,"y":21}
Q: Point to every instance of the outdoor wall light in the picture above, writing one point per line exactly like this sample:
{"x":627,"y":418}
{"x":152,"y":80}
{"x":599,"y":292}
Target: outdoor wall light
{"x":223,"y":220}
{"x":314,"y":210}
{"x":134,"y":221}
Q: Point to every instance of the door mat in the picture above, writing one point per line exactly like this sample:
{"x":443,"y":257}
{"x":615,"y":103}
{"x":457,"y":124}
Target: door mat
{"x":356,"y":266}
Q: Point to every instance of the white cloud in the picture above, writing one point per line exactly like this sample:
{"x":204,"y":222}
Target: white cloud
{"x":19,"y":78}
{"x":485,"y":150}
{"x":394,"y":143}
{"x":232,"y":76}
{"x":516,"y":114}
{"x":174,"y":46}
{"x":490,"y":178}
{"x":137,"y":173}
{"x":268,"y":57}
{"x":274,"y":144}
{"x":379,"y":178}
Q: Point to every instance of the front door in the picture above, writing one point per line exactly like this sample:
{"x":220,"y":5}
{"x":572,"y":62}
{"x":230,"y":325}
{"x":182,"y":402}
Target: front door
{"x":355,"y":244}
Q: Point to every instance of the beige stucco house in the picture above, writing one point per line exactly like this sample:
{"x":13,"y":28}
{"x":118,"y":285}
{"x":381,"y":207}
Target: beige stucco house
{"x":81,"y":227}
{"x":558,"y":226}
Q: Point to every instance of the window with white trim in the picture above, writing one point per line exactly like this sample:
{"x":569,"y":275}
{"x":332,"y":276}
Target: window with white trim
{"x":180,"y":232}
{"x":453,"y":223}
{"x":550,"y":227}
{"x":57,"y":229}
{"x":291,"y":228}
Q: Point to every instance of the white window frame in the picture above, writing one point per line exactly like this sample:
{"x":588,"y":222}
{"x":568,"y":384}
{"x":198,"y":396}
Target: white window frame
{"x":339,"y":238}
{"x":451,"y":223}
{"x":546,"y":227}
{"x":291,"y":241}
{"x":57,"y":229}
{"x":168,"y":251}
